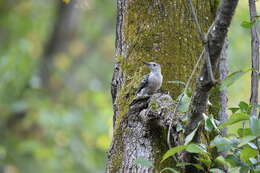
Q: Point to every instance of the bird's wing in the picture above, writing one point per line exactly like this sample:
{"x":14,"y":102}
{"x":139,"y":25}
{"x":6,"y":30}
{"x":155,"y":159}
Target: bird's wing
{"x":143,"y":83}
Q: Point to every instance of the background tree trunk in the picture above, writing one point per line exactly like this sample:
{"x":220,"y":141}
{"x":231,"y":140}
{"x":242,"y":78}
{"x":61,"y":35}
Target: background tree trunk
{"x":64,"y":30}
{"x":160,"y":31}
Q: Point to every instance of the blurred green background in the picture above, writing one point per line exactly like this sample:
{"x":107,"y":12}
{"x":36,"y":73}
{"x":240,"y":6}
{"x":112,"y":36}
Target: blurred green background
{"x":68,"y":128}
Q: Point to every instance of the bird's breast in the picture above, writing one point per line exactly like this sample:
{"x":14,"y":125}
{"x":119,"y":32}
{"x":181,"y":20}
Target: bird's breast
{"x":155,"y":81}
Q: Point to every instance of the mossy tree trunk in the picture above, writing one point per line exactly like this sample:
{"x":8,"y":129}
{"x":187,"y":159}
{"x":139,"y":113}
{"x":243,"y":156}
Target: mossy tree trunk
{"x":160,"y":31}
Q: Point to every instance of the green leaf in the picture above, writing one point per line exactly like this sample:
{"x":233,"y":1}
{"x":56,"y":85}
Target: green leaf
{"x":232,"y":160}
{"x":215,"y":170}
{"x":247,"y":24}
{"x":247,"y":152}
{"x":243,"y":106}
{"x":244,"y":169}
{"x":194,"y":148}
{"x":179,"y":127}
{"x":255,"y":125}
{"x":245,"y":140}
{"x":210,"y":123}
{"x":257,"y":169}
{"x":234,"y":110}
{"x":189,"y":138}
{"x":253,"y":160}
{"x":184,"y":102}
{"x":169,"y":169}
{"x":244,"y":132}
{"x":234,"y":118}
{"x":199,"y":167}
{"x":232,"y":78}
{"x":222,"y":144}
{"x":206,"y":162}
{"x":220,"y":161}
{"x":252,"y":145}
{"x":234,"y":170}
{"x":143,"y":162}
{"x":173,"y":151}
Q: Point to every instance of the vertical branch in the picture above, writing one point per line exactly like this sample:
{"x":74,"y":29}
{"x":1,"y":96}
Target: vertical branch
{"x":117,"y":78}
{"x":223,"y":72}
{"x":254,"y":56}
{"x":63,"y":32}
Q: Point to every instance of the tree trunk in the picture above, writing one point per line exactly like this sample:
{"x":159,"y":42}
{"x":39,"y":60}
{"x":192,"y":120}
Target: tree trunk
{"x":160,"y":31}
{"x":64,"y":30}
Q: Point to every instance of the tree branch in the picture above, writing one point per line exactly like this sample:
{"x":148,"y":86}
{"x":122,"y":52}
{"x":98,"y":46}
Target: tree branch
{"x":254,"y":57}
{"x":216,"y":39}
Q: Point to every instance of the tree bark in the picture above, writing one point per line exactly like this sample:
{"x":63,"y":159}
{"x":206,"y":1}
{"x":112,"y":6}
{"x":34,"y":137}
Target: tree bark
{"x":160,"y":31}
{"x":254,"y":56}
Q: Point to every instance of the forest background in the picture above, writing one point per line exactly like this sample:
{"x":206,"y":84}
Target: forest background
{"x":65,"y":124}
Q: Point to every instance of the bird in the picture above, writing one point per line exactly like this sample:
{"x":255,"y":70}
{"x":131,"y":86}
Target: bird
{"x":152,"y":81}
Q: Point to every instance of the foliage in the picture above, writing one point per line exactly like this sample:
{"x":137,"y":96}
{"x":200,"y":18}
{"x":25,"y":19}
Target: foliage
{"x":242,"y":149}
{"x":232,"y":78}
{"x":143,"y":162}
{"x":68,"y":130}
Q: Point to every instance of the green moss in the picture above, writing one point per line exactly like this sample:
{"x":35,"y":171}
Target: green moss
{"x":153,"y":34}
{"x":117,"y":158}
{"x":153,"y":105}
{"x":123,"y":100}
{"x":119,"y":59}
{"x":117,"y":162}
{"x":214,"y":98}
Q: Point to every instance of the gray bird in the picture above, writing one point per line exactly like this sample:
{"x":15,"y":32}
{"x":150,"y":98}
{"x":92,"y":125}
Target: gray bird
{"x":152,"y":81}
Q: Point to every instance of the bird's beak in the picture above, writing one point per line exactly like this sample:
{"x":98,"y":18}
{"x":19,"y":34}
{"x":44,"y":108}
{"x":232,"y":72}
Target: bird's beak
{"x":147,"y":63}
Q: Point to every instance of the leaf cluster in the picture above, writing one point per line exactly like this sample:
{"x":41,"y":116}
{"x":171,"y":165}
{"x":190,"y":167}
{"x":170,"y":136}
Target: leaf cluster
{"x":242,"y":149}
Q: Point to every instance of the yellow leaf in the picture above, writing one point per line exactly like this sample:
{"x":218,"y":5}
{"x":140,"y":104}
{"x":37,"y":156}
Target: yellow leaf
{"x":66,"y":1}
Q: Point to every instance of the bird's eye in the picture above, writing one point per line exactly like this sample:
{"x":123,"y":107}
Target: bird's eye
{"x":154,"y":65}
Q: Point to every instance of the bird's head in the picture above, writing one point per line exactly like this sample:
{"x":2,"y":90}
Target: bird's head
{"x":155,"y":67}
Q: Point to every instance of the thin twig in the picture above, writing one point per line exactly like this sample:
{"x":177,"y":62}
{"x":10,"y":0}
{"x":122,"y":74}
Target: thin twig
{"x":204,"y":41}
{"x":208,"y":63}
{"x":195,"y":19}
{"x":194,"y":70}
